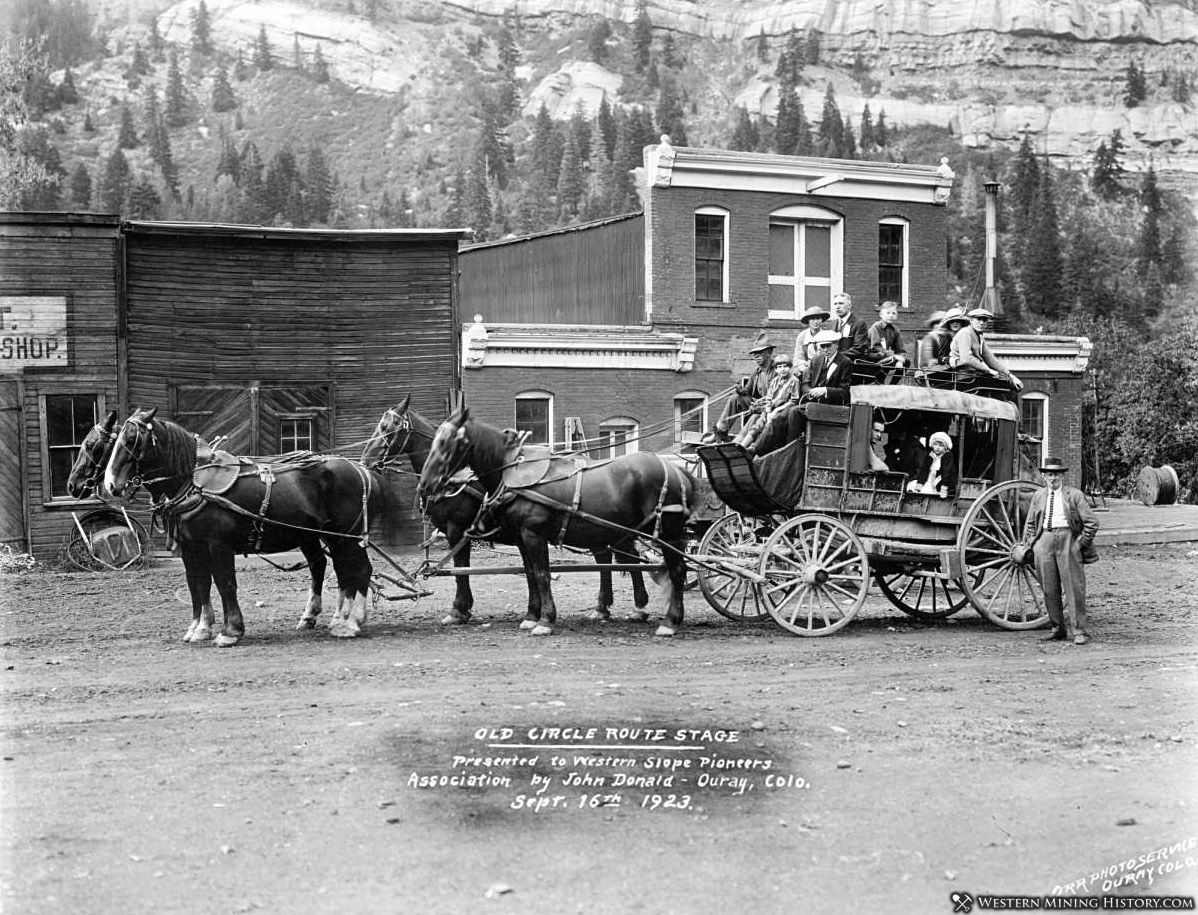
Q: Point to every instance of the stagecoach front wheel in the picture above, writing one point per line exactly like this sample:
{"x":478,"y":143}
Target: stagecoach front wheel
{"x":1005,"y":593}
{"x":816,"y":575}
{"x":734,"y":540}
{"x":921,"y":593}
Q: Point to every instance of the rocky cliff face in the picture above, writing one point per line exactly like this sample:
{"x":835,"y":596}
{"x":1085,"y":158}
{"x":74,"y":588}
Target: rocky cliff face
{"x":992,"y":69}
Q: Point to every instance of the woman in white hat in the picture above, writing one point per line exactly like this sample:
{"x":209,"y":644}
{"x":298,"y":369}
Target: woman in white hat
{"x":805,"y":347}
{"x":938,"y":473}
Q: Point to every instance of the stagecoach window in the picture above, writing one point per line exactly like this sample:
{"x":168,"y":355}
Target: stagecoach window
{"x":533,"y":415}
{"x":711,"y":228}
{"x":892,"y":261}
{"x":296,"y":434}
{"x":617,"y":437}
{"x":690,"y":416}
{"x":66,"y":420}
{"x":805,"y":259}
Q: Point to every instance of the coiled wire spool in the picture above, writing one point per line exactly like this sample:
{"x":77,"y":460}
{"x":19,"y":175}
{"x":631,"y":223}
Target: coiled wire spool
{"x":1158,"y":485}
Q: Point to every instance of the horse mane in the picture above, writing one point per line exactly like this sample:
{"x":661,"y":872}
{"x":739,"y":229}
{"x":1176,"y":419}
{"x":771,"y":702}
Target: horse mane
{"x":489,"y":446}
{"x":176,"y":448}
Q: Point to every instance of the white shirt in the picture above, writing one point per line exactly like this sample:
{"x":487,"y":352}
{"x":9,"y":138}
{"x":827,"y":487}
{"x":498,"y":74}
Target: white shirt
{"x":1058,"y":518}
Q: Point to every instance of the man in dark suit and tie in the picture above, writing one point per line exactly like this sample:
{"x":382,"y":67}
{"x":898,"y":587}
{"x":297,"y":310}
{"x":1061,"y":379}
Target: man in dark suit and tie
{"x":826,"y":380}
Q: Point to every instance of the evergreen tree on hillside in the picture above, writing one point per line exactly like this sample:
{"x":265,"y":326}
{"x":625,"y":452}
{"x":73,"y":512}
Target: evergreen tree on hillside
{"x":762,"y":46}
{"x":795,"y":54}
{"x":201,"y":30}
{"x":1081,"y":287}
{"x":68,"y":94}
{"x":320,"y":69}
{"x":850,"y":143}
{"x":126,"y":137}
{"x":153,"y":127}
{"x":283,"y":188}
{"x":600,"y":186}
{"x":1182,"y":89}
{"x":497,"y":151}
{"x":138,"y":67}
{"x":1044,"y":265}
{"x":1135,"y":85}
{"x":81,"y":187}
{"x":597,"y":39}
{"x":262,"y":56}
{"x":318,"y":186}
{"x":229,"y":162}
{"x":811,"y":47}
{"x":175,"y":96}
{"x":669,"y":52}
{"x":1148,"y":246}
{"x":43,"y":191}
{"x":642,"y":38}
{"x":506,"y":46}
{"x":786,"y":131}
{"x":867,"y":141}
{"x":605,"y":124}
{"x":625,"y":157}
{"x":223,"y":98}
{"x":144,"y":200}
{"x":804,"y":144}
{"x":455,"y":210}
{"x":881,"y":131}
{"x":546,"y":149}
{"x":253,"y":208}
{"x":114,"y":186}
{"x":580,"y":127}
{"x":1108,"y":168}
{"x":156,"y":44}
{"x":831,"y":127}
{"x":241,"y":72}
{"x":570,"y":180}
{"x":745,"y":135}
{"x":670,"y":117}
{"x":1025,"y":183}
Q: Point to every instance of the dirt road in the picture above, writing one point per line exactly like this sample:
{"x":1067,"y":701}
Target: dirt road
{"x":878,"y":770}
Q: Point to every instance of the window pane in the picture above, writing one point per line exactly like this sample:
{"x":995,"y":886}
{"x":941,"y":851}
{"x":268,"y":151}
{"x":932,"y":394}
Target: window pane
{"x":295,"y":435}
{"x":532,"y":415}
{"x":818,"y":251}
{"x":820,"y":296}
{"x":890,"y":245}
{"x":69,"y":417}
{"x":782,"y":250}
{"x":61,"y":461}
{"x":782,"y":298}
{"x":890,"y":284}
{"x":688,"y":416}
{"x":709,"y":281}
{"x":60,"y":423}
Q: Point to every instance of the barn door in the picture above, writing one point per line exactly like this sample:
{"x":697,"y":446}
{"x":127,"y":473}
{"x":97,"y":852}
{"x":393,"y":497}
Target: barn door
{"x":212,"y":410}
{"x":12,"y":506}
{"x":258,"y":420}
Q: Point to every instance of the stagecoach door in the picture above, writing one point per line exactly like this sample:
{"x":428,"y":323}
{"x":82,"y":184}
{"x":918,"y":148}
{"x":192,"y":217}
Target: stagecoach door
{"x":258,"y":419}
{"x":12,"y":498}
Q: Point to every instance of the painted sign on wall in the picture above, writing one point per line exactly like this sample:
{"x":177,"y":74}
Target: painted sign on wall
{"x":33,"y":332}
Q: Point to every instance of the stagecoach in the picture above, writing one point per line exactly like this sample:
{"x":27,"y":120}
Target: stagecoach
{"x":809,"y":525}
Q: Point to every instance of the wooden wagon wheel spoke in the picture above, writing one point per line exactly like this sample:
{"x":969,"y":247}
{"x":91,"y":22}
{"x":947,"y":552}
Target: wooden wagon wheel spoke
{"x":816,"y":564}
{"x":1004,"y":593}
{"x":729,"y":593}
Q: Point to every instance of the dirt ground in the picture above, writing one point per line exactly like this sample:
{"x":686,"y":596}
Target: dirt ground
{"x":906,"y":762}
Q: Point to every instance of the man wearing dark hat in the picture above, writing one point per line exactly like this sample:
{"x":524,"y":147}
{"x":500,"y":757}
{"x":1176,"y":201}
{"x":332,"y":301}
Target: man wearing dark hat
{"x":751,"y":388}
{"x":978,"y":369}
{"x":825,"y":380}
{"x":1060,"y":527}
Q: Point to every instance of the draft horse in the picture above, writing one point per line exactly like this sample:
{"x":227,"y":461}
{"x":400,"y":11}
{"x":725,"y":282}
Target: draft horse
{"x":453,"y":510}
{"x":302,"y":500}
{"x":88,"y":469}
{"x":599,"y":506}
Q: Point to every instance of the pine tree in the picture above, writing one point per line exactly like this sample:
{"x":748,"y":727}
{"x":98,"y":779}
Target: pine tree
{"x":811,"y":48}
{"x":318,"y":186}
{"x":625,"y":157}
{"x":642,"y":38}
{"x":786,"y":133}
{"x":153,"y":127}
{"x":794,"y":54}
{"x":881,"y":131}
{"x":670,"y":117}
{"x":68,"y":94}
{"x":1044,"y":267}
{"x":115,"y":185}
{"x":1108,"y":169}
{"x":546,"y":148}
{"x":763,"y":46}
{"x":154,"y":40}
{"x":669,"y":52}
{"x":831,"y":127}
{"x":144,"y":200}
{"x":497,"y":151}
{"x":1025,"y":183}
{"x":223,"y":98}
{"x":403,"y":211}
{"x":600,"y":190}
{"x":580,"y":127}
{"x":605,"y":124}
{"x":262,"y":57}
{"x":1148,"y":248}
{"x":1181,"y":89}
{"x":88,"y":125}
{"x":1135,"y":86}
{"x":240,"y":71}
{"x":253,"y":201}
{"x":281,"y":185}
{"x":569,"y":182}
{"x":597,"y":39}
{"x":201,"y":30}
{"x":850,"y":142}
{"x":320,"y":69}
{"x":81,"y":187}
{"x":126,"y":134}
{"x":455,"y":211}
{"x":744,"y":136}
{"x":230,"y":162}
{"x":175,"y":96}
{"x":804,"y":143}
{"x":868,"y":142}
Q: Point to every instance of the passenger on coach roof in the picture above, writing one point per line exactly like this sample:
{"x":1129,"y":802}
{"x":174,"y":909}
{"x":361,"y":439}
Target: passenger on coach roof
{"x":751,"y":388}
{"x":784,"y":387}
{"x":978,"y":370}
{"x":934,"y":348}
{"x":886,"y":345}
{"x":825,"y":381}
{"x":805,"y":347}
{"x":852,"y":331}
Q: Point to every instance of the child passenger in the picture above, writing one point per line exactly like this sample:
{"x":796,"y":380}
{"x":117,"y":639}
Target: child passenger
{"x":783,"y":387}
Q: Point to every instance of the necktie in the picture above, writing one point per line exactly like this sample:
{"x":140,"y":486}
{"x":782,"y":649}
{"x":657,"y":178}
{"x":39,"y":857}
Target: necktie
{"x":1048,"y":514}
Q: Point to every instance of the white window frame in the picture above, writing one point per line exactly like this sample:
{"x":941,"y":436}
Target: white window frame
{"x":625,"y":424}
{"x":48,"y":497}
{"x":298,"y":418}
{"x":799,"y":216}
{"x":716,"y":211}
{"x":689,"y":395}
{"x":905,"y":224}
{"x":536,"y":395}
{"x":1044,"y":399}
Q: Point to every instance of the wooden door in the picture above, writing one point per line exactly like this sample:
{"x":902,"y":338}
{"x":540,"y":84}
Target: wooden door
{"x":212,"y":410}
{"x":12,"y":499}
{"x":258,"y":420}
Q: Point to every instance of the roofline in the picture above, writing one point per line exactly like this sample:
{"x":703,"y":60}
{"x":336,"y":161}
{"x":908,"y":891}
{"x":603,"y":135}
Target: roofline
{"x":16,"y":217}
{"x":562,"y":230}
{"x":222,"y":230}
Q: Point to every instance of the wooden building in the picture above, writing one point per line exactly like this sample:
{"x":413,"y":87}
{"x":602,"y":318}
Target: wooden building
{"x":279,"y":339}
{"x":561,"y":339}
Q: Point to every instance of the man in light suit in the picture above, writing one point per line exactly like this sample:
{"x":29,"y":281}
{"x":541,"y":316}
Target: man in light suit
{"x":1060,"y":525}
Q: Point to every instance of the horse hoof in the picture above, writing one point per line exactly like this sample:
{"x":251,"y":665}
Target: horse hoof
{"x":596,"y":616}
{"x":343,"y":631}
{"x":641,"y":616}
{"x":542,"y":630}
{"x":190,"y":633}
{"x":202,"y":634}
{"x":664,"y":631}
{"x":452,"y":619}
{"x":307,"y":622}
{"x":526,"y":625}
{"x":226,"y":641}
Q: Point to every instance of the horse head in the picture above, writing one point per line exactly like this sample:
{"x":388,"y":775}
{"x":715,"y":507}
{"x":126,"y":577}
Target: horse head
{"x":133,"y":443}
{"x":447,"y":454}
{"x":88,"y":468}
{"x":391,"y":437}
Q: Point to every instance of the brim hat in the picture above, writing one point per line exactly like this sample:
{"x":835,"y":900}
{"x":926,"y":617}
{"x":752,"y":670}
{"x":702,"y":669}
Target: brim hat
{"x":826,"y":336}
{"x":941,"y":437}
{"x":981,"y":313}
{"x":814,"y":312}
{"x":935,"y":318}
{"x":953,"y":314}
{"x":1052,"y":465}
{"x":761,"y":344}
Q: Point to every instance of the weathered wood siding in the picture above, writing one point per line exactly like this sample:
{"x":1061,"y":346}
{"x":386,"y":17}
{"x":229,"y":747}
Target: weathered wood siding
{"x":372,"y":315}
{"x":592,"y":274}
{"x":76,"y":257}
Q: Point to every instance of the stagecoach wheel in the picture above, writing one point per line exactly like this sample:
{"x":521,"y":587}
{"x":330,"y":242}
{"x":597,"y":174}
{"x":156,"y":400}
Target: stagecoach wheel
{"x":1004,"y":593}
{"x":817,"y":575}
{"x":921,"y":593}
{"x":106,"y":543}
{"x":734,"y":539}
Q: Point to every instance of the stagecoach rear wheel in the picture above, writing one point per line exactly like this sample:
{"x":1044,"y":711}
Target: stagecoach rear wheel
{"x":921,"y":593}
{"x":817,"y":575}
{"x":1003,"y":592}
{"x":106,"y":540}
{"x":731,"y":538}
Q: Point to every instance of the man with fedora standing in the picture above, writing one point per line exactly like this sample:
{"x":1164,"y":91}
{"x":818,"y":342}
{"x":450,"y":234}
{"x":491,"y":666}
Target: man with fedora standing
{"x":1061,"y":527}
{"x":751,"y":388}
{"x":978,"y":369}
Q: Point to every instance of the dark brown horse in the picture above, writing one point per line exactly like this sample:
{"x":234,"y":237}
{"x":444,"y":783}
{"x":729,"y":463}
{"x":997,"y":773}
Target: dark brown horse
{"x":88,"y":469}
{"x":598,"y":507}
{"x":403,"y":431}
{"x":294,"y":501}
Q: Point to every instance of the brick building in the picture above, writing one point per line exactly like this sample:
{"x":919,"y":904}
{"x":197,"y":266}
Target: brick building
{"x":625,"y":333}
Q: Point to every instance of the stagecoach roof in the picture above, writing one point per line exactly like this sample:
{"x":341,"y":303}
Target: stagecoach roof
{"x":909,"y":397}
